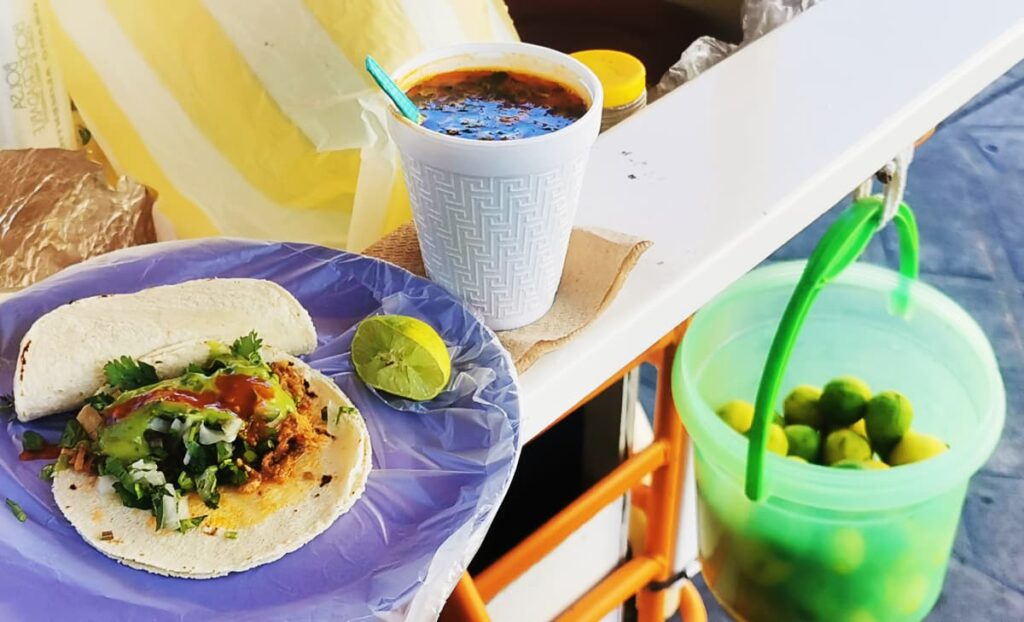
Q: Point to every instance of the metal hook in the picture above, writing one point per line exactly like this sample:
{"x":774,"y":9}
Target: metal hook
{"x":893,"y":177}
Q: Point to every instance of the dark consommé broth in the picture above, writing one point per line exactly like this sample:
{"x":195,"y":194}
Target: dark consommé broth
{"x":489,"y":104}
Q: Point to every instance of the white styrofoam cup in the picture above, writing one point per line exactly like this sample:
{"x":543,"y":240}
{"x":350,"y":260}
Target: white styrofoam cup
{"x":494,"y":217}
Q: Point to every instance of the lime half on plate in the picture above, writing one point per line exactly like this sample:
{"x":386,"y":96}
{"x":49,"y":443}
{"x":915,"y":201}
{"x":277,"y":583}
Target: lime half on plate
{"x":402,"y":356}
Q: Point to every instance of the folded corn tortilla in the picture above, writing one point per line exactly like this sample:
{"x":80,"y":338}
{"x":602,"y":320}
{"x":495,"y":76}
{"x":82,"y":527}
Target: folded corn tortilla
{"x":61,"y":359}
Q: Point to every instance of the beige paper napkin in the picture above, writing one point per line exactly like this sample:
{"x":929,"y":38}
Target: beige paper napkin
{"x":596,"y":266}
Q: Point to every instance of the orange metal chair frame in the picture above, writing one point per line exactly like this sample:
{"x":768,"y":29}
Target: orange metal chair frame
{"x":664,"y":459}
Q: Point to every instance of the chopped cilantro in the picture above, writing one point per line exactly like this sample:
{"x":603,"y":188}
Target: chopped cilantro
{"x":157,"y":504}
{"x":231,"y":474}
{"x":100,"y":401}
{"x":344,"y":410}
{"x":133,"y":494}
{"x":185,"y":482}
{"x":114,"y":467}
{"x":126,"y":373}
{"x":231,"y":535}
{"x":6,"y":404}
{"x":206,"y":486}
{"x":46,"y":473}
{"x":214,"y":366}
{"x":224,"y":451}
{"x":248,"y":347}
{"x":188,"y":524}
{"x":156,"y":449}
{"x":195,"y":453}
{"x":194,"y":368}
{"x":17,"y":511}
{"x":32,"y":441}
{"x":73,"y":434}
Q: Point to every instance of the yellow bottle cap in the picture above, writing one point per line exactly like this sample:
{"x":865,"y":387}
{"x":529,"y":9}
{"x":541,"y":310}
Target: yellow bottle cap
{"x":622,"y":75}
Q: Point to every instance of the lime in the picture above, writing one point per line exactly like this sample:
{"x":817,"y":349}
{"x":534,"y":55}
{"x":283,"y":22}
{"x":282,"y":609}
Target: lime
{"x":804,"y":441}
{"x":738,"y":415}
{"x":915,"y":447}
{"x":906,"y":594}
{"x":860,"y":465}
{"x":777,"y":441}
{"x":844,"y":552}
{"x":861,"y":615}
{"x":860,"y":428}
{"x":762,"y":564}
{"x":402,"y":356}
{"x":888,"y":418}
{"x":843,"y":444}
{"x":801,"y":406}
{"x":844,"y":400}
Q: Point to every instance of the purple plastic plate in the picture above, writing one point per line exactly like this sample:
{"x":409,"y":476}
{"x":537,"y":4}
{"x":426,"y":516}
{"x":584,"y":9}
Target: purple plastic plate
{"x":440,"y":468}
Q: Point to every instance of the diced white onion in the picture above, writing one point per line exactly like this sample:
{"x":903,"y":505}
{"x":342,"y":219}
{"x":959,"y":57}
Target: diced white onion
{"x":183,"y":511}
{"x":153,"y":478}
{"x":170,"y":512}
{"x":159,"y":424}
{"x":228,"y":433}
{"x":208,"y":436}
{"x":105,"y":484}
{"x":232,"y":426}
{"x":178,"y":426}
{"x":143,"y":465}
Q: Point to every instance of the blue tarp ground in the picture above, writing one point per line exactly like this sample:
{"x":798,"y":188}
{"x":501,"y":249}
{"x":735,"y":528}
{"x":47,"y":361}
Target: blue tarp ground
{"x":967,"y":189}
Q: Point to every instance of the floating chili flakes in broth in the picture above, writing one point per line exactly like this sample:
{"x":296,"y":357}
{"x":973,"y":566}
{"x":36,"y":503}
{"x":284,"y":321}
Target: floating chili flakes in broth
{"x":489,"y":105}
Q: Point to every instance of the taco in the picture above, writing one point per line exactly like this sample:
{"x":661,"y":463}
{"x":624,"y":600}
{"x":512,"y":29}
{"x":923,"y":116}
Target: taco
{"x":233,"y":461}
{"x":61,"y":356}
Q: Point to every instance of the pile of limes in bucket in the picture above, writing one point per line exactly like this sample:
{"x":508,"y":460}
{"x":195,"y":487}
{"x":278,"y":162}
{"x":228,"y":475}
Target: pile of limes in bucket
{"x":841,"y":425}
{"x":833,"y":568}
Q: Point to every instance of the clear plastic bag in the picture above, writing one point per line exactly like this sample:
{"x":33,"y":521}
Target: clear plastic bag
{"x":758,"y":18}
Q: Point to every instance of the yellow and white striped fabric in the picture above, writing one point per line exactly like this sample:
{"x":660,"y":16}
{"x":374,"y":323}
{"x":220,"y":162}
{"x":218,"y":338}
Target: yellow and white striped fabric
{"x":255,"y":118}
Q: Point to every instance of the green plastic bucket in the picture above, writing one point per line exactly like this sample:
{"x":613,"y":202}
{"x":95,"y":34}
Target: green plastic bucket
{"x":823,"y":543}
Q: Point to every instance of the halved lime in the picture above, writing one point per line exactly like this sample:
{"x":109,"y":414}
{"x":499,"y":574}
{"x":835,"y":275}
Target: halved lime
{"x":402,"y":356}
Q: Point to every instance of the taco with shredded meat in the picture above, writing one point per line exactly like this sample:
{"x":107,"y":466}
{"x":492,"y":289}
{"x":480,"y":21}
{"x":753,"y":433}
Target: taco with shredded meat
{"x":207,"y":458}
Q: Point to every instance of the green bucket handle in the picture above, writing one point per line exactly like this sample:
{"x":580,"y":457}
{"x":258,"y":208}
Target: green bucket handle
{"x":841,"y":245}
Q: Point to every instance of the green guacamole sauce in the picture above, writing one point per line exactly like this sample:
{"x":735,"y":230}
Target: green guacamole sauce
{"x":194,"y":394}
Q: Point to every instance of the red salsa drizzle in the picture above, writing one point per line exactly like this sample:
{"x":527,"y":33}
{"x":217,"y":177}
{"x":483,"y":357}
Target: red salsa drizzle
{"x":489,"y":104}
{"x":50,"y":451}
{"x":235,"y":392}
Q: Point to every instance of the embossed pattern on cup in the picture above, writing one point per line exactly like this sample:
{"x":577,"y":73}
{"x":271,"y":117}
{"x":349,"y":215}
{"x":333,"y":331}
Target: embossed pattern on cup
{"x":500,"y":242}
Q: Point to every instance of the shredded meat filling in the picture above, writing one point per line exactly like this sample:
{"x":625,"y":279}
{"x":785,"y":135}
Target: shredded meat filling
{"x":296,"y":434}
{"x":292,"y":381}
